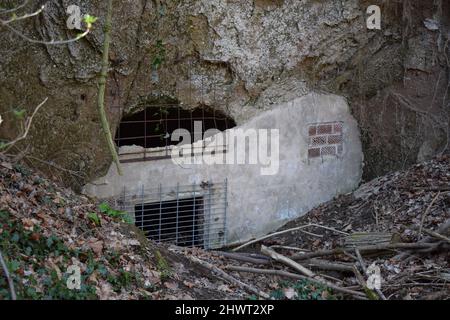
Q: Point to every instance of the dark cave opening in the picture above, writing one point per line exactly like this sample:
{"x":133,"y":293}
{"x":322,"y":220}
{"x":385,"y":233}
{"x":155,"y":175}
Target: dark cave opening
{"x":152,"y":127}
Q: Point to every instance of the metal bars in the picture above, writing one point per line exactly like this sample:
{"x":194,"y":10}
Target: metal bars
{"x":186,"y":215}
{"x":149,"y":130}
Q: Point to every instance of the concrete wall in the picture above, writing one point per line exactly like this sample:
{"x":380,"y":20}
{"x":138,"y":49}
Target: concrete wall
{"x":258,"y":204}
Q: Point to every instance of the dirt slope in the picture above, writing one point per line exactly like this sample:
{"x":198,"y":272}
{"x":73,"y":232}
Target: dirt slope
{"x":45,"y":228}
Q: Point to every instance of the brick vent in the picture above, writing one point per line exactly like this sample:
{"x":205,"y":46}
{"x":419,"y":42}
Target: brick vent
{"x":325,"y":139}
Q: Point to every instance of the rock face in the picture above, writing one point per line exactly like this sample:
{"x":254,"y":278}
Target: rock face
{"x":241,"y":57}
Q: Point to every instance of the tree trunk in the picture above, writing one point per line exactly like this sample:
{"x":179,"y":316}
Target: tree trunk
{"x":102,"y":88}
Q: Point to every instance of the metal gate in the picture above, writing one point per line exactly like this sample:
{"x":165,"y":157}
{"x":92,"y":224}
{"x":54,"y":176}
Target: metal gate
{"x":185,"y":215}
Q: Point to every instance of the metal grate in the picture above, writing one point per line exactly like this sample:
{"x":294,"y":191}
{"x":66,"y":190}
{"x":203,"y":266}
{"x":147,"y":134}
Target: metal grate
{"x":151,"y":130}
{"x":185,"y":215}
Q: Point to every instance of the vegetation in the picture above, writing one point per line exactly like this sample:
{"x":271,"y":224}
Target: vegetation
{"x":122,"y":216}
{"x":38,"y":265}
{"x":302,"y":290}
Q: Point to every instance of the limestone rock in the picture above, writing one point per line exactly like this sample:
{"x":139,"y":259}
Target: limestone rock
{"x":239,"y":57}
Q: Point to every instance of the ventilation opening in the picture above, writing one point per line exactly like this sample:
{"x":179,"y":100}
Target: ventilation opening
{"x":178,"y":221}
{"x":152,"y":127}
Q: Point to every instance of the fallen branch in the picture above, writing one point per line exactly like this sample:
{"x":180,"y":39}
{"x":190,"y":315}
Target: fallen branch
{"x":288,"y":248}
{"x":326,"y":265}
{"x":287,"y":231}
{"x":442,"y":230}
{"x":433,"y":234}
{"x":316,"y":254}
{"x":228,"y":277}
{"x":8,"y":278}
{"x":314,"y":263}
{"x":281,"y":273}
{"x":358,"y":239}
{"x":394,"y":246}
{"x":383,"y":247}
{"x":426,"y":213}
{"x":289,"y":262}
{"x":436,"y":235}
{"x":243,"y":258}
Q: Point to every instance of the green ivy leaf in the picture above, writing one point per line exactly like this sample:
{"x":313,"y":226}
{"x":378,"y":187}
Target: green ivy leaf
{"x":94,"y":218}
{"x":14,"y":265}
{"x":15,"y":237}
{"x":89,"y":20}
{"x":50,"y":242}
{"x":104,"y":207}
{"x":19,"y":113}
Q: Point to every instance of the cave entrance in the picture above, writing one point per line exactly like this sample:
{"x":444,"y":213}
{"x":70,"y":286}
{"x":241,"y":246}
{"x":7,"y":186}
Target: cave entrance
{"x":149,"y":131}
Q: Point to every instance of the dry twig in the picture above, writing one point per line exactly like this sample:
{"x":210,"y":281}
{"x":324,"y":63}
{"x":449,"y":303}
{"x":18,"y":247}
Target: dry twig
{"x":8,"y":278}
{"x":228,"y":277}
{"x":287,"y":231}
{"x":281,"y":273}
{"x":289,"y":262}
{"x":426,"y":213}
{"x":28,"y":123}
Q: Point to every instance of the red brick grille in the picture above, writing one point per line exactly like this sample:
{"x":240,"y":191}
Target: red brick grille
{"x":325,"y":139}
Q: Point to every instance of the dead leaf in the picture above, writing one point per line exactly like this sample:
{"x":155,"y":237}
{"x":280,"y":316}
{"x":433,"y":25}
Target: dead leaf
{"x":53,"y":266}
{"x":189,"y":284}
{"x":274,"y":285}
{"x":347,"y":227}
{"x":171,"y":285}
{"x":154,"y":277}
{"x":93,"y":278}
{"x":35,"y":236}
{"x":224,"y":288}
{"x":105,"y":291}
{"x":7,"y":165}
{"x":131,"y":242}
{"x":28,"y":224}
{"x":96,"y":246}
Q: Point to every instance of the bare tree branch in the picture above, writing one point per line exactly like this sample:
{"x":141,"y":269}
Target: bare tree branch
{"x":28,"y":123}
{"x":23,"y":4}
{"x":25,"y":16}
{"x":6,"y":23}
{"x":8,"y":277}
